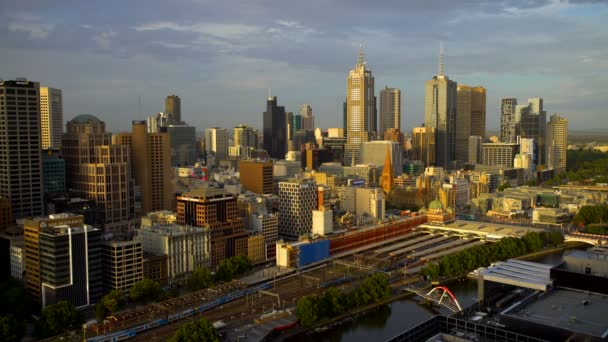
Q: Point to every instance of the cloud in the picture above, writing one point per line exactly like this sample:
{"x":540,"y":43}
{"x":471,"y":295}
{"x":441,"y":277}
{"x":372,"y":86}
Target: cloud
{"x":219,"y":30}
{"x":104,"y":39}
{"x":34,"y":30}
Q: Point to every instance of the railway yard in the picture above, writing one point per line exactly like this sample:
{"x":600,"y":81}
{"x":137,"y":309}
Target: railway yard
{"x":240,"y":306}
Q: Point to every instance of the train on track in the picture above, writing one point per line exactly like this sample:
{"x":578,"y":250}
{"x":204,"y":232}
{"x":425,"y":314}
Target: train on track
{"x":125,"y":334}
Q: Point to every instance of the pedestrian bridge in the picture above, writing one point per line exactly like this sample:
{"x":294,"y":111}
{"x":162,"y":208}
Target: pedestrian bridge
{"x":592,"y":239}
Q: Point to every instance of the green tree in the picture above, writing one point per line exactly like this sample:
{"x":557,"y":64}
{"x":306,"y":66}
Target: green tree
{"x":201,"y":331}
{"x":533,"y":241}
{"x":11,"y":330}
{"x":504,"y":186}
{"x":114,"y":301}
{"x":230,"y":268}
{"x":56,"y":318}
{"x":332,"y":303}
{"x":100,"y":312}
{"x":531,"y":182}
{"x":555,"y":238}
{"x":307,"y":310}
{"x":200,"y":279}
{"x":145,"y":290}
{"x":15,"y":299}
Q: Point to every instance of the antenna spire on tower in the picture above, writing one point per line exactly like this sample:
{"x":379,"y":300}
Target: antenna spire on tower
{"x":441,"y":59}
{"x":361,"y":57}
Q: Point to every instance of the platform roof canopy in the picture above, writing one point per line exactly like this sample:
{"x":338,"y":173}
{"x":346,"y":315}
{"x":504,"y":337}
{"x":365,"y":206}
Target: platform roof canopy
{"x":519,"y":273}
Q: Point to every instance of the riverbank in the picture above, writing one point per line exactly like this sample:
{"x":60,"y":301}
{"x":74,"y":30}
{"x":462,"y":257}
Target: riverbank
{"x":565,"y":247}
{"x":350,"y":315}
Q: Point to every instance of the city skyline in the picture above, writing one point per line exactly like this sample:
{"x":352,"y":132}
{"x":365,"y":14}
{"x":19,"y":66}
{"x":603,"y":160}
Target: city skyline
{"x":173,"y":54}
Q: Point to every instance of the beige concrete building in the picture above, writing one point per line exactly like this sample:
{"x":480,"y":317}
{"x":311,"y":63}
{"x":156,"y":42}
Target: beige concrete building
{"x":557,"y":143}
{"x":187,"y":247}
{"x":390,"y":109}
{"x":122,"y":264}
{"x":51,"y":118}
{"x":360,"y":109}
{"x":151,"y":167}
{"x":99,"y":170}
{"x":423,"y":145}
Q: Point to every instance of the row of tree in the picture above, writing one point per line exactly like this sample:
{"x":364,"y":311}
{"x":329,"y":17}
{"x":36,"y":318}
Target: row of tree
{"x":313,"y":308}
{"x":149,"y":291}
{"x":227,"y":270}
{"x":483,"y":255}
{"x":15,"y":309}
{"x":201,"y":331}
{"x":591,"y":214}
{"x":587,"y":164}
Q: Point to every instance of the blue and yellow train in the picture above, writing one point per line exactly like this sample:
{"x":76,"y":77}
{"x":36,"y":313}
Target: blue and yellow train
{"x":125,"y":334}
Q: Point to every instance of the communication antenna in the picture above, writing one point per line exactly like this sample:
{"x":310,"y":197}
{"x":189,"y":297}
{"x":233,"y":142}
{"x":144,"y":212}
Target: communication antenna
{"x":361,"y":57}
{"x":441,"y":59}
{"x":139,"y":107}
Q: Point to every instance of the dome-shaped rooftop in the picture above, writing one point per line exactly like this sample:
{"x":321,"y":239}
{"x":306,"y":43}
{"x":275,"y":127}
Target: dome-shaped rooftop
{"x":84,"y":118}
{"x":436,"y":204}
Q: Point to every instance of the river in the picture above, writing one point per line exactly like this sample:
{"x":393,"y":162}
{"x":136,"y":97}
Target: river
{"x":392,"y":319}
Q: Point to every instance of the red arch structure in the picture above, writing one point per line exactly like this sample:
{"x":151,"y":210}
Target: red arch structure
{"x":443,"y":295}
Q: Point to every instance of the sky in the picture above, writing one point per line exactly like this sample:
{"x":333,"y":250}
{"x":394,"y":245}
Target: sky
{"x":223,"y":57}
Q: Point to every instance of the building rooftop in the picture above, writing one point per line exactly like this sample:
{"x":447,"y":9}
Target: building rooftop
{"x":482,"y":228}
{"x":578,"y":311}
{"x":84,"y":118}
{"x":65,"y":230}
{"x":207,"y":193}
{"x":520,"y":273}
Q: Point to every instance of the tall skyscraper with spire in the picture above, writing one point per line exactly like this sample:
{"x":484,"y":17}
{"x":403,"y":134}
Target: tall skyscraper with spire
{"x":440,"y":113}
{"x":360,"y":108}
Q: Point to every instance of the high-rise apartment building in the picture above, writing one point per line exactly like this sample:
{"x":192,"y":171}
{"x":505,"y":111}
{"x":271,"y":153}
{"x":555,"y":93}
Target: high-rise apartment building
{"x":99,"y":170}
{"x":216,"y":143}
{"x":475,"y":142}
{"x":390,"y":109}
{"x":31,"y":234}
{"x":151,"y":165}
{"x":70,"y":265}
{"x":217,"y":210}
{"x":499,"y":154}
{"x":294,"y":122}
{"x":440,"y":113}
{"x":173,"y":107}
{"x":423,"y":144}
{"x":183,"y":144}
{"x":308,"y":119}
{"x":51,"y":117}
{"x":557,"y":143}
{"x":20,"y":147}
{"x":478,"y":111}
{"x":297,"y":200}
{"x":508,"y":120}
{"x":123,"y":264}
{"x":256,"y":176}
{"x":53,"y":167}
{"x":275,"y":129}
{"x":245,"y":136}
{"x":470,"y":118}
{"x":360,"y":109}
{"x":533,"y":123}
{"x":6,"y":213}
